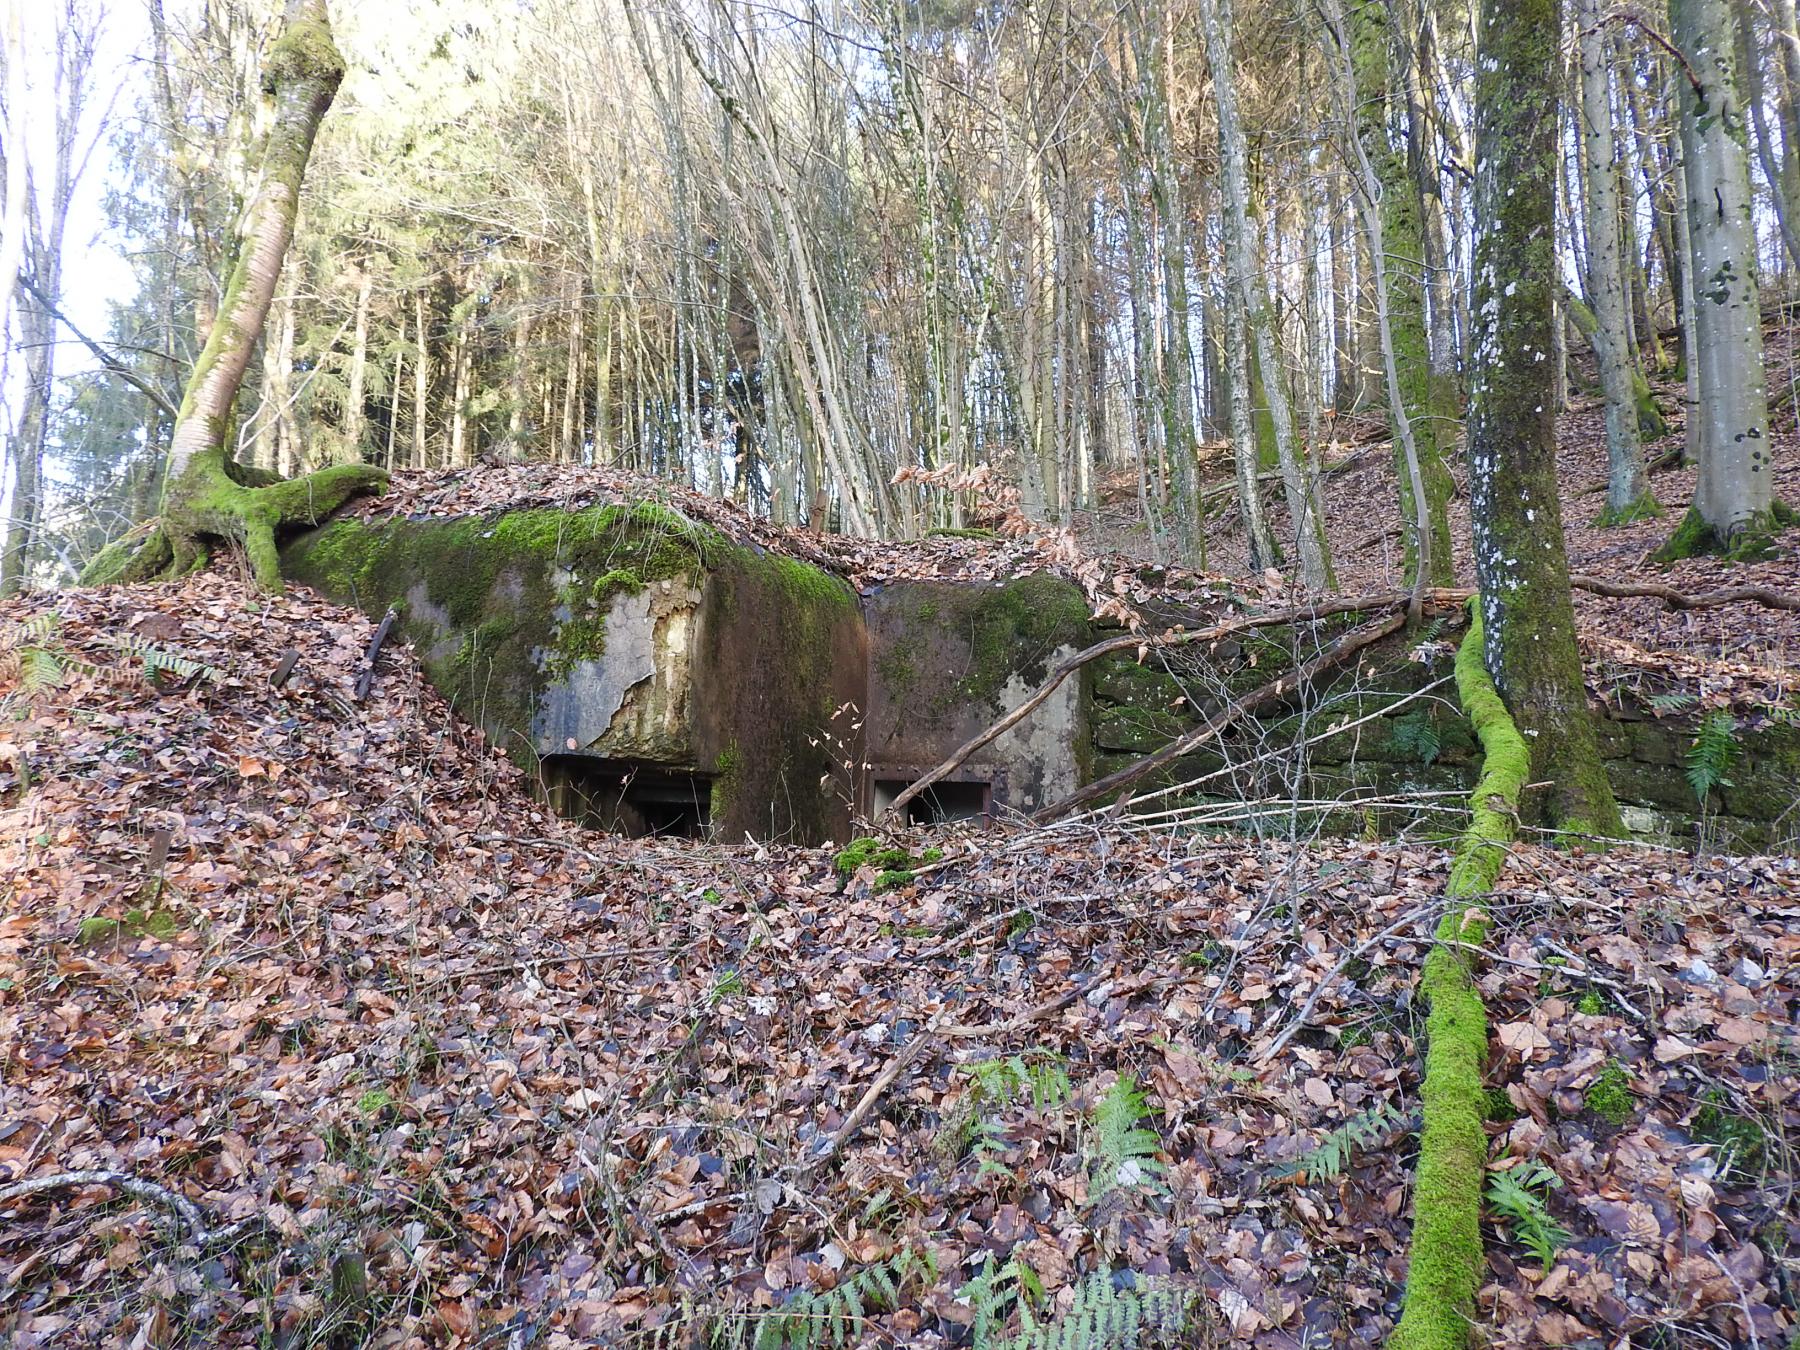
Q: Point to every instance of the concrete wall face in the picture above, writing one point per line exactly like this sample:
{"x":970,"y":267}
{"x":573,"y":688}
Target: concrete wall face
{"x":667,"y":679}
{"x":946,"y":660}
{"x":632,"y":701}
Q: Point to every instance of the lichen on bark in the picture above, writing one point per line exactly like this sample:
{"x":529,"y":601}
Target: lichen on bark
{"x":1521,"y":563}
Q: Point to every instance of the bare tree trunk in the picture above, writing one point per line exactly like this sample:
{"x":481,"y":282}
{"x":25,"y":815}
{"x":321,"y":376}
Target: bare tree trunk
{"x":1240,"y":248}
{"x":421,"y":380}
{"x":355,"y":416}
{"x":1734,"y":508}
{"x":12,"y":212}
{"x":1784,"y":182}
{"x":1627,"y":481}
{"x":1424,"y":479}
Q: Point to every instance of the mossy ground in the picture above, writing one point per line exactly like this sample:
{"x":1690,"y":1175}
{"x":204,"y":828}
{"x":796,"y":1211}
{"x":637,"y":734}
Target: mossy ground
{"x":1609,"y":1095}
{"x":1753,"y":542}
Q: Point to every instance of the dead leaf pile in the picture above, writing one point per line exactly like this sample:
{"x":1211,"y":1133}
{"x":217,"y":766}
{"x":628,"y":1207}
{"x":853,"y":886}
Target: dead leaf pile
{"x":467,"y":1072}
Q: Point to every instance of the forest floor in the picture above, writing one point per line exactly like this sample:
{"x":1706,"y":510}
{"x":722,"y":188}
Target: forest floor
{"x":438,"y":1068}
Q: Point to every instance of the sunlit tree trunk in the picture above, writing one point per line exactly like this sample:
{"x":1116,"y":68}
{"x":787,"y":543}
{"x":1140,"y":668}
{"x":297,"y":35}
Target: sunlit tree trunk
{"x":205,"y":496}
{"x":1388,"y":204}
{"x":355,"y":415}
{"x":1627,"y":481}
{"x":1516,"y":515}
{"x":1734,"y":509}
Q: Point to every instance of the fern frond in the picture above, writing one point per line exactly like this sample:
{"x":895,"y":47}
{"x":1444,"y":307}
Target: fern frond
{"x":1517,"y":1195}
{"x":1714,"y":751}
{"x":1124,"y":1148}
{"x":1332,"y":1154}
{"x":30,"y":632}
{"x":1149,"y":1309}
{"x":833,"y":1317}
{"x":162,"y":660}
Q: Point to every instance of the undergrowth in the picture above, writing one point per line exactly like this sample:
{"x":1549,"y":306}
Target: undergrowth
{"x":1517,"y":1196}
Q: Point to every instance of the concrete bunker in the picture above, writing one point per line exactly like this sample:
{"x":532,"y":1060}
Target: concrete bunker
{"x":667,"y":679}
{"x":635,"y":798}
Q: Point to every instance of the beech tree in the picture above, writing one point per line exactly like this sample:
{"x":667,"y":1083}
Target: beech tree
{"x":1521,"y":564}
{"x":208,"y":497}
{"x":1628,"y":494}
{"x":1734,"y":510}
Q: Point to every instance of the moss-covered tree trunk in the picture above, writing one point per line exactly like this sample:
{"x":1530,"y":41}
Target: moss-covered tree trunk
{"x":1419,"y":403}
{"x":207,"y":497}
{"x":1627,"y":480}
{"x":1734,"y":508}
{"x":1521,"y":564}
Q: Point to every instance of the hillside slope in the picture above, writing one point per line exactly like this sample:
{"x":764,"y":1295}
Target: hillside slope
{"x":436,"y":1069}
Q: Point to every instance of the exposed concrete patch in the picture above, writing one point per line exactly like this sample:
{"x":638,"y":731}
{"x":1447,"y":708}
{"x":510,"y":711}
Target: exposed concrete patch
{"x":1040,"y":753}
{"x":630,"y":702}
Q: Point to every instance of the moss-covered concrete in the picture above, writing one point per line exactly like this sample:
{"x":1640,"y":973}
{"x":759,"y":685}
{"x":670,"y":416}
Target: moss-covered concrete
{"x":632,"y":632}
{"x":946,"y":659}
{"x":1421,"y":745}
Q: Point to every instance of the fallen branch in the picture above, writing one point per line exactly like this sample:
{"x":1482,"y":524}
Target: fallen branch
{"x":1435,"y":599}
{"x":367,"y":678}
{"x":113,"y":365}
{"x":199,"y":1232}
{"x":1674,"y":599}
{"x":1322,"y":609}
{"x":1444,"y":1252}
{"x":1337,"y":654}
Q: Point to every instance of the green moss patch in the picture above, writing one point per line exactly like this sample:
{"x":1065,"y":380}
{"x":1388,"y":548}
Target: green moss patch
{"x":1609,"y":1095}
{"x":527,"y":592}
{"x":1741,"y":1142}
{"x":1446,"y":1258}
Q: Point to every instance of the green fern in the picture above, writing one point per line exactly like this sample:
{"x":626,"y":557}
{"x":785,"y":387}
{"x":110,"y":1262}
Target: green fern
{"x":1151,"y":1309}
{"x":1000,"y":1082}
{"x":835,"y":1317}
{"x":1517,"y":1195}
{"x":987,"y":1145}
{"x":1038,"y":1077}
{"x":29,"y":659}
{"x":159,"y":661}
{"x":1714,"y":751}
{"x":1416,"y":737}
{"x":1123,"y":1147}
{"x":1332,"y":1154}
{"x":1675,"y":701}
{"x":993,"y":1294}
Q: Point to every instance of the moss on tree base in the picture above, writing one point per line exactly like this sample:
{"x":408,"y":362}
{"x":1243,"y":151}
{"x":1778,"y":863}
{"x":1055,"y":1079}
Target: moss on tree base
{"x":1753,"y":541}
{"x":1645,"y":507}
{"x":222,"y":509}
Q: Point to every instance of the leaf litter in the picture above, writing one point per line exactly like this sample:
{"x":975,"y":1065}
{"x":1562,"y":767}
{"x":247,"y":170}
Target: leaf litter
{"x":463,"y":1071}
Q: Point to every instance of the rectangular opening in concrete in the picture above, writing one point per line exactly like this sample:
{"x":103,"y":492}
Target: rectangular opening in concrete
{"x":629,"y":797}
{"x":972,"y":799}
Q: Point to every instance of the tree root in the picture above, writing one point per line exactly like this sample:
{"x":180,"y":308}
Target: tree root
{"x":243,"y":506}
{"x":1446,"y":1259}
